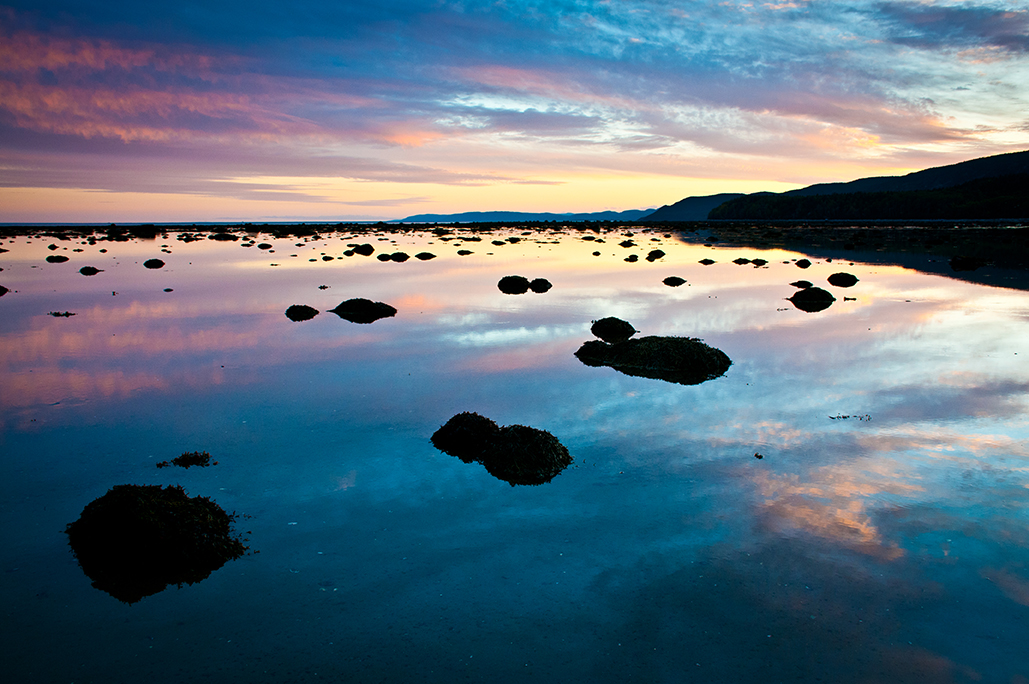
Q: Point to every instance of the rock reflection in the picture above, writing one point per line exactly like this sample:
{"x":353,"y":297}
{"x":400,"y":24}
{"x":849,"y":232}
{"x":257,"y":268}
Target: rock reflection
{"x":301,"y":312}
{"x":812,"y":299}
{"x":135,"y":540}
{"x":363,"y":310}
{"x":517,"y":454}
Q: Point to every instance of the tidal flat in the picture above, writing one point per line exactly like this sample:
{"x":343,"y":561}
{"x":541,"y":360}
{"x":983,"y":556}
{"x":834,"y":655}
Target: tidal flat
{"x":848,"y":501}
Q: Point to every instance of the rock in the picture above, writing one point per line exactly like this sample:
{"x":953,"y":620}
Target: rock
{"x":812,"y":299}
{"x":301,"y":312}
{"x":612,"y":329}
{"x":382,"y":257}
{"x":90,"y":270}
{"x":464,"y":252}
{"x":706,"y":262}
{"x":513,"y":285}
{"x":56,"y":259}
{"x":327,"y":258}
{"x":153,"y":263}
{"x":61,"y":314}
{"x":596,"y":253}
{"x":188,"y":459}
{"x":500,"y":243}
{"x":758,"y":262}
{"x":424,"y":256}
{"x":682,"y":360}
{"x":135,"y":540}
{"x":3,"y":290}
{"x":673,"y":281}
{"x":364,"y":250}
{"x":802,"y":284}
{"x":632,"y":258}
{"x":803,"y":263}
{"x":627,"y":244}
{"x":264,"y":245}
{"x":224,"y":237}
{"x":842,"y":280}
{"x":654,"y":255}
{"x":514,"y":239}
{"x":741,"y":261}
{"x":363,"y":310}
{"x":540,"y":285}
{"x":517,"y":454}
{"x":52,"y":247}
{"x":399,"y":257}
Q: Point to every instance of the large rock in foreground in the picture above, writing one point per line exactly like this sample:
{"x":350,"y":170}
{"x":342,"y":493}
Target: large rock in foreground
{"x":517,"y":454}
{"x":135,"y":540}
{"x":683,"y":360}
{"x":363,"y":310}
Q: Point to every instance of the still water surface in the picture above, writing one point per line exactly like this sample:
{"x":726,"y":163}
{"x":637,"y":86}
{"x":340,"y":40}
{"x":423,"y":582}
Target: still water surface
{"x":881,"y":537}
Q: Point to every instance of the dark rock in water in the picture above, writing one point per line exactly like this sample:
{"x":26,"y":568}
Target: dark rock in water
{"x":464,"y":252}
{"x":596,"y":253}
{"x":399,"y":257}
{"x":963,"y":263}
{"x":153,"y":263}
{"x":168,"y":289}
{"x":3,"y":290}
{"x":90,"y":270}
{"x":52,"y":247}
{"x":363,"y":310}
{"x":500,"y":243}
{"x":135,"y":540}
{"x":327,"y":258}
{"x":632,"y":258}
{"x":812,"y":299}
{"x":683,"y":360}
{"x":382,"y":257}
{"x":612,"y":329}
{"x":517,"y":454}
{"x":540,"y":285}
{"x":348,"y":253}
{"x":803,"y":263}
{"x":802,"y":284}
{"x":654,"y":255}
{"x":627,"y":244}
{"x":842,"y":280}
{"x":56,"y":259}
{"x":61,"y":314}
{"x":706,"y":262}
{"x":673,"y":281}
{"x":265,"y":245}
{"x":301,"y":312}
{"x":514,"y":239}
{"x":424,"y":256}
{"x":758,"y":262}
{"x":188,"y":459}
{"x":467,"y":436}
{"x":364,"y":250}
{"x":741,"y":261}
{"x":223,"y":237}
{"x":513,"y":285}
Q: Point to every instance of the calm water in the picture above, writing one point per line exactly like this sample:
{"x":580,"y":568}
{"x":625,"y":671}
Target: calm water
{"x":882,"y":536}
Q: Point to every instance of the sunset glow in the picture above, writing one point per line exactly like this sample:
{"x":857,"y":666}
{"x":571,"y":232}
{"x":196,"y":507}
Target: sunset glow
{"x":358,"y":111}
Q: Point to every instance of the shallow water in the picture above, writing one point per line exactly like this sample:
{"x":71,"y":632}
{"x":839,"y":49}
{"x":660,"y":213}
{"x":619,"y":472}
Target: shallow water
{"x":882,"y":536}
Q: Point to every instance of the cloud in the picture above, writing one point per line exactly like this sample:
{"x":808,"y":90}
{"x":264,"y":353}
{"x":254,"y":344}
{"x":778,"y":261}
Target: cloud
{"x":936,"y":27}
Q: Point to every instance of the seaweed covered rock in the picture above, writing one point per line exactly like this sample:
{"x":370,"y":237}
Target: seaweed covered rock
{"x":153,"y":264}
{"x":803,"y":263}
{"x":842,"y":280}
{"x":363,"y":310}
{"x":514,"y":285}
{"x":90,"y":270}
{"x":612,"y":329}
{"x":467,"y":436}
{"x":3,"y":290}
{"x":424,"y":256}
{"x":301,"y":312}
{"x":364,"y":250}
{"x":56,"y":259}
{"x":802,"y":284}
{"x":517,"y":454}
{"x":812,"y":299}
{"x":683,"y":360}
{"x":673,"y":281}
{"x":706,"y":262}
{"x":654,"y":255}
{"x":135,"y":540}
{"x":540,"y":285}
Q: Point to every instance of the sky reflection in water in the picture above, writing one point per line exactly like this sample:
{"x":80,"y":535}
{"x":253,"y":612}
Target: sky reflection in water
{"x":881,"y":537}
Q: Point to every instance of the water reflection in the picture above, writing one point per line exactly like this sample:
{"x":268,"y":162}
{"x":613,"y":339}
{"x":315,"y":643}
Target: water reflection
{"x":903,"y":535}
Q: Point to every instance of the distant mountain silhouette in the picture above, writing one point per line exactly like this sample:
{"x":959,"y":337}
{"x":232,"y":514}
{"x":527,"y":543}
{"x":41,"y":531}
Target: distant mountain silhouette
{"x":522,"y":217}
{"x":692,"y":208}
{"x":988,"y":187}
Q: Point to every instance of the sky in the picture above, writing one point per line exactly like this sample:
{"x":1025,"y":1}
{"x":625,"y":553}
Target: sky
{"x":116,"y":111}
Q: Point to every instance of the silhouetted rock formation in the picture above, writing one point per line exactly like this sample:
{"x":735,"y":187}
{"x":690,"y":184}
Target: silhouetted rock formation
{"x":363,"y":310}
{"x":153,"y":263}
{"x":540,"y":285}
{"x":513,"y":285}
{"x":56,"y":259}
{"x":803,"y":263}
{"x":517,"y":454}
{"x":842,"y":280}
{"x":364,"y":250}
{"x":673,"y":281}
{"x":812,"y":299}
{"x":654,"y":255}
{"x":682,"y":360}
{"x":706,"y":262}
{"x":135,"y":540}
{"x":802,"y":284}
{"x":424,"y":256}
{"x":3,"y":290}
{"x":301,"y":312}
{"x":612,"y":329}
{"x":188,"y":459}
{"x":399,"y":257}
{"x":90,"y":270}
